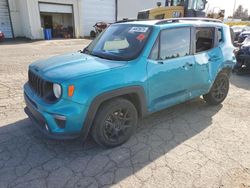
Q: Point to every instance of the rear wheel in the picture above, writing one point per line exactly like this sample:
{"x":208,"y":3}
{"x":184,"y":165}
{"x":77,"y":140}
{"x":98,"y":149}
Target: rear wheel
{"x":114,"y":123}
{"x":219,"y":90}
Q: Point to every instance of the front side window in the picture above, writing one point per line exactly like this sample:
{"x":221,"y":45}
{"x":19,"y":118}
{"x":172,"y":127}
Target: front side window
{"x":160,"y":16}
{"x":204,"y":39}
{"x":120,"y":42}
{"x":174,"y":43}
{"x":178,"y":2}
{"x":196,"y":4}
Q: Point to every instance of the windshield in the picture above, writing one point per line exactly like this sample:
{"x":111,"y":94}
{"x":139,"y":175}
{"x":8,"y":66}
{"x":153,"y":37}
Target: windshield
{"x":120,"y":42}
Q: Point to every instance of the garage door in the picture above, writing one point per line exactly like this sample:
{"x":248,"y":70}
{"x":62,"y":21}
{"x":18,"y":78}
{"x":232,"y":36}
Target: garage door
{"x":96,"y":11}
{"x":5,"y":25}
{"x":55,"y":8}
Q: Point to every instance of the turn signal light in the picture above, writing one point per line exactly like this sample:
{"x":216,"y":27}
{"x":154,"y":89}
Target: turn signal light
{"x":71,"y":89}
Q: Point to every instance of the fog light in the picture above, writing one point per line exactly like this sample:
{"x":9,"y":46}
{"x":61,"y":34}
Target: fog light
{"x":60,"y":121}
{"x":46,"y":127}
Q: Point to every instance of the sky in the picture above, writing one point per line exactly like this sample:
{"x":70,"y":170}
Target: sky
{"x":228,"y":5}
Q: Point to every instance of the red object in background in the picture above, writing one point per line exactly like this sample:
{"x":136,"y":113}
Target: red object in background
{"x":1,"y":36}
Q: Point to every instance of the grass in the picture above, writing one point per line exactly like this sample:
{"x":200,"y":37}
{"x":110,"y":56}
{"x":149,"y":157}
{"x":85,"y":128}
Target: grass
{"x":238,"y":23}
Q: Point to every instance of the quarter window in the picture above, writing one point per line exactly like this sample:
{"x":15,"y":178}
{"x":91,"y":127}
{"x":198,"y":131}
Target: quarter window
{"x":174,"y":43}
{"x":155,"y":51}
{"x":204,"y":39}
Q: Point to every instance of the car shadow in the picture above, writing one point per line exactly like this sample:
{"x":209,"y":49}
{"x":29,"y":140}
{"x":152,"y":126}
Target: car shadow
{"x":26,"y":156}
{"x":241,"y":81}
{"x":16,"y":41}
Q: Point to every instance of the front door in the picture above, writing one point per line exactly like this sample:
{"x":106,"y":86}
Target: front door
{"x":170,"y":68}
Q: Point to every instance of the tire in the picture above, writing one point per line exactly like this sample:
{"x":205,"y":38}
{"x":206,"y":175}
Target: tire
{"x":114,"y":123}
{"x":219,"y":90}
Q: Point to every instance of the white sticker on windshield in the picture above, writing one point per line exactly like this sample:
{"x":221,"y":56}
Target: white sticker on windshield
{"x":138,"y":29}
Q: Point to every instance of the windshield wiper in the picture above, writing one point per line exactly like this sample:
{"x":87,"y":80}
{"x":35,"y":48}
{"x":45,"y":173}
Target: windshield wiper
{"x":102,"y":56}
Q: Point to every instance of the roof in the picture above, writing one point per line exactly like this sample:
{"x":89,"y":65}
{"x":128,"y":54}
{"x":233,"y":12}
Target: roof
{"x":171,"y":21}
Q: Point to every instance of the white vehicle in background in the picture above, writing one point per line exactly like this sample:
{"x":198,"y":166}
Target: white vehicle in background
{"x":243,"y":57}
{"x":237,"y":31}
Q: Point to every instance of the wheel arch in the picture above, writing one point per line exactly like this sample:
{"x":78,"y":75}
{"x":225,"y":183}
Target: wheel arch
{"x":134,"y":94}
{"x":226,"y":70}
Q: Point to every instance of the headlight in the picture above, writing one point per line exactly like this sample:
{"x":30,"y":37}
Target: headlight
{"x":57,"y":90}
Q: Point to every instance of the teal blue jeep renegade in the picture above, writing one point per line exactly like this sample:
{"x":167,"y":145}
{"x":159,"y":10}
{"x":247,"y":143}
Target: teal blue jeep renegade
{"x":129,"y":71}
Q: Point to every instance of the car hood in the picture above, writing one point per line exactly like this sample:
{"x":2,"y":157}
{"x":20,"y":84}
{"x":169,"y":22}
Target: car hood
{"x":64,"y":67}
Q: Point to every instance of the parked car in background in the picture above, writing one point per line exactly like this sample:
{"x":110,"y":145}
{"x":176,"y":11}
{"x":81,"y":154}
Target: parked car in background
{"x":243,"y":35}
{"x":238,"y":29}
{"x":243,"y":57}
{"x":1,"y":36}
{"x":131,"y":70}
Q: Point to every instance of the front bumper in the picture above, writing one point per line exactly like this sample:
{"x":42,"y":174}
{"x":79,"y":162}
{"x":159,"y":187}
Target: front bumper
{"x":47,"y":117}
{"x":41,"y":125}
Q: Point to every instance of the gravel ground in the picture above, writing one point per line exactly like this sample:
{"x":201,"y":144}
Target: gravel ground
{"x":189,"y":145}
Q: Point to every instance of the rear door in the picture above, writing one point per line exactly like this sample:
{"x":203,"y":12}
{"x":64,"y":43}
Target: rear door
{"x":208,"y":56}
{"x":170,"y":68}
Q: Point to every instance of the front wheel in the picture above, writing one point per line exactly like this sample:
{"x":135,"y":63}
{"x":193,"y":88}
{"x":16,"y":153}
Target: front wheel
{"x":114,"y":123}
{"x":219,"y":90}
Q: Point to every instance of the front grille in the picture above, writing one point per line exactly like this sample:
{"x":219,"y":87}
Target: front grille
{"x":37,"y":84}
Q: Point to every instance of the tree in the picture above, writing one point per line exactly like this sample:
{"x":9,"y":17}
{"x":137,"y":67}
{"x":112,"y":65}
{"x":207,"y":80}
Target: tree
{"x":241,"y":13}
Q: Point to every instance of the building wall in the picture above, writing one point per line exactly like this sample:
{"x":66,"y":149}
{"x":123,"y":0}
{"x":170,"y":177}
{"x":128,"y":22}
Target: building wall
{"x":26,"y":17}
{"x":96,"y":11}
{"x":130,"y":8}
{"x":5,"y":22}
{"x":15,"y":18}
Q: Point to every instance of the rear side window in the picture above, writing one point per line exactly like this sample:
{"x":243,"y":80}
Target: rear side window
{"x":232,"y":35}
{"x":204,"y":39}
{"x":220,"y":35}
{"x":174,"y":43}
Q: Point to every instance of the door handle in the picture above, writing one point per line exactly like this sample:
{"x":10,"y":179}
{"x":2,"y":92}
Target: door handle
{"x":187,"y":65}
{"x":160,"y":62}
{"x":214,"y":58}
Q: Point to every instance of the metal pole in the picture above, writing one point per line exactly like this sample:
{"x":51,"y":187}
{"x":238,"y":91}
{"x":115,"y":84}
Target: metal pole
{"x":234,"y":8}
{"x":11,"y":24}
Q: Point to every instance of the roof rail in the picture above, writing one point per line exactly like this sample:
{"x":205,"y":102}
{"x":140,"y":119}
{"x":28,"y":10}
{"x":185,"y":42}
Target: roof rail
{"x":173,"y":20}
{"x":127,"y":20}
